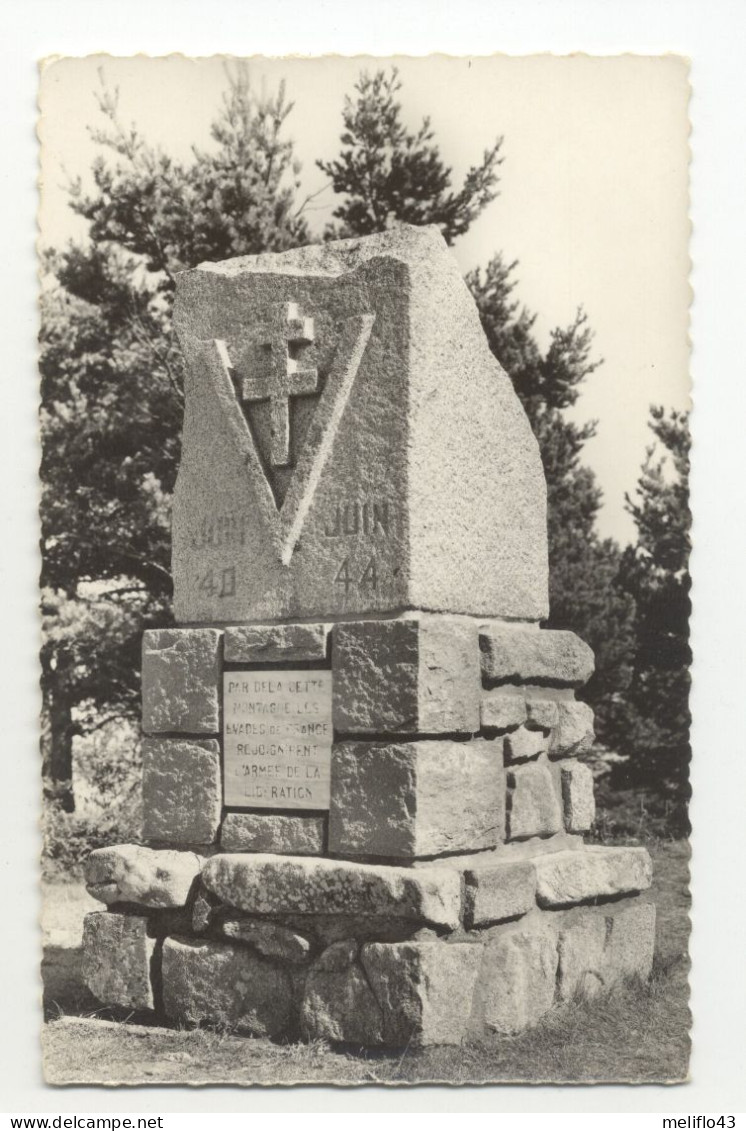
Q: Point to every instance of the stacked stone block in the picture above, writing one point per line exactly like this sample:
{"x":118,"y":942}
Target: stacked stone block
{"x":448,"y":892}
{"x":360,"y":492}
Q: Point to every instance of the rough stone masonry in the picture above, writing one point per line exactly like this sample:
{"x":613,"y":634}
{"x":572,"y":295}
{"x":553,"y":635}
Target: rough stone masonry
{"x":363,"y":805}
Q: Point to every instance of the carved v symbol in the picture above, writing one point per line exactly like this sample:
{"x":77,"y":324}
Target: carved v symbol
{"x":285,"y":524}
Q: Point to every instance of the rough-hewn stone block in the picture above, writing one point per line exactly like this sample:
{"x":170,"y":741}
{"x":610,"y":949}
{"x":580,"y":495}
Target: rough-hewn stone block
{"x":631,"y":943}
{"x":533,"y":804}
{"x":425,"y":989}
{"x":289,"y":885}
{"x":542,"y":713}
{"x":416,"y":798}
{"x":270,"y":939}
{"x":578,"y":801}
{"x":117,"y":956}
{"x":275,"y":643}
{"x":501,"y":711}
{"x":180,"y":678}
{"x":574,"y":733}
{"x":405,"y":476}
{"x":129,"y":873}
{"x":181,"y":790}
{"x":496,"y":892}
{"x":272,"y":832}
{"x":513,"y":654}
{"x":524,"y":743}
{"x":566,"y":878}
{"x":409,"y":677}
{"x":517,"y":980}
{"x":225,"y":985}
{"x":338,"y":1002}
{"x":597,"y":950}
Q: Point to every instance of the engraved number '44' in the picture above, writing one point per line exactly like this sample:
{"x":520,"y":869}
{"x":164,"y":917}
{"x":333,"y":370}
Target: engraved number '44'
{"x":367,"y":580}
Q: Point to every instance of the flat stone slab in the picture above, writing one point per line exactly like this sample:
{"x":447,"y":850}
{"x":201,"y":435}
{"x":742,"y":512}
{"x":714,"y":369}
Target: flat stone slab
{"x":180,"y":678}
{"x":425,"y":989}
{"x":265,"y":885}
{"x":130,"y":873}
{"x":407,"y":677}
{"x":530,"y":655}
{"x":275,"y":643}
{"x":182,"y":790}
{"x":225,"y":985}
{"x":273,"y":832}
{"x":117,"y":957}
{"x":496,"y":892}
{"x":416,"y":799}
{"x":567,"y":878}
{"x":390,"y":467}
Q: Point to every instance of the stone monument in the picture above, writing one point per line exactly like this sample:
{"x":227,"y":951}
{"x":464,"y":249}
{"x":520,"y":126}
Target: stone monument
{"x":363,"y":806}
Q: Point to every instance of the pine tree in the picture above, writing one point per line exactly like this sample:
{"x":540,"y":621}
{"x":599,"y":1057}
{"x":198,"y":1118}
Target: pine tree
{"x":112,"y":388}
{"x":385,"y":172}
{"x":584,"y":593}
{"x":653,"y":727}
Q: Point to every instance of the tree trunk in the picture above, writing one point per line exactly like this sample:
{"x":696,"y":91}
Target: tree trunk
{"x":57,"y":730}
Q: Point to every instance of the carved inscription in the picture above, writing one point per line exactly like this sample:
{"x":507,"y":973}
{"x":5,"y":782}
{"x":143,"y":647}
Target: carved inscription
{"x":277,"y":739}
{"x":220,"y":530}
{"x":369,"y":519}
{"x":218,"y":582}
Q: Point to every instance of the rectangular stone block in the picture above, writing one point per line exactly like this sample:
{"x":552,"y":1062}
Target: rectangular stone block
{"x":130,"y":873}
{"x":270,"y":832}
{"x":350,"y":443}
{"x":226,"y":985}
{"x":599,"y":949}
{"x":275,"y":643}
{"x":574,"y":733}
{"x":502,"y":711}
{"x":567,"y":878}
{"x":514,"y":654}
{"x":517,"y":980}
{"x":533,"y":807}
{"x":525,"y":743}
{"x":496,"y":892}
{"x":407,"y":677}
{"x":417,"y":798}
{"x":578,"y":802}
{"x":269,"y":885}
{"x":425,"y":990}
{"x":180,"y":681}
{"x":117,"y":957}
{"x":181,"y":790}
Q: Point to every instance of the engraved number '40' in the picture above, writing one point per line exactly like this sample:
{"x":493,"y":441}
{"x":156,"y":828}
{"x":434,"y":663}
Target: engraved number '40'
{"x":368,"y":579}
{"x":219,"y":582}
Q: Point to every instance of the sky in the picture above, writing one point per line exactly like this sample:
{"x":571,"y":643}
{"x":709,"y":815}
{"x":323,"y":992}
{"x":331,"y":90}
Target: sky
{"x":593,"y":194}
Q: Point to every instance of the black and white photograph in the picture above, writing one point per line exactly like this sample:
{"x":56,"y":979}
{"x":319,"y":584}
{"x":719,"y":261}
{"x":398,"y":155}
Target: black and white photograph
{"x":365,"y":593}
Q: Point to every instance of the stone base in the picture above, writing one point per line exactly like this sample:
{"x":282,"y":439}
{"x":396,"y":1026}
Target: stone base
{"x":372,"y":955}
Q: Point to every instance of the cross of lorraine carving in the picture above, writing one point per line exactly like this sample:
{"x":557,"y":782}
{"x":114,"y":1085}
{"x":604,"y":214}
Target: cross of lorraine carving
{"x":285,"y":333}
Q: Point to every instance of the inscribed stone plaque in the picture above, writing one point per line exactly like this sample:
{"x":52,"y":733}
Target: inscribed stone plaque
{"x":278,"y":739}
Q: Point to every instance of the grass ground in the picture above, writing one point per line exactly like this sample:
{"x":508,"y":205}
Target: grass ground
{"x":637,"y":1033}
